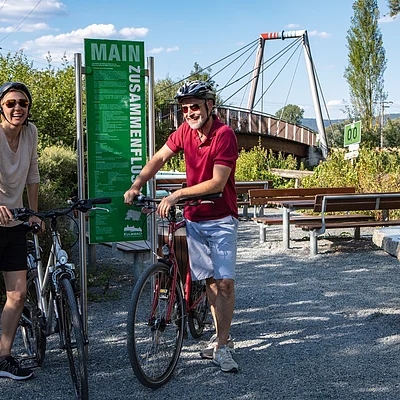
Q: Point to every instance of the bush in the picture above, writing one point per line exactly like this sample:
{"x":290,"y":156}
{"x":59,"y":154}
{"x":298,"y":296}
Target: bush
{"x":255,"y":164}
{"x":58,"y":170}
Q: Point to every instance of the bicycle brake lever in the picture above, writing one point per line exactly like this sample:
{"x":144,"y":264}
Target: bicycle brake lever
{"x":100,"y":208}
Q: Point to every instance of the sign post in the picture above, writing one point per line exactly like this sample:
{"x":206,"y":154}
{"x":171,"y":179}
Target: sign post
{"x":352,"y":139}
{"x":116,"y":134}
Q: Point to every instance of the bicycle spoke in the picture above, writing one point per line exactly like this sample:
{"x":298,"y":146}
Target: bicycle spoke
{"x":154,"y":339}
{"x":73,"y":336}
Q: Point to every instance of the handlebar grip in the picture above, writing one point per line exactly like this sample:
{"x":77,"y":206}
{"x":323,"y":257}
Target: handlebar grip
{"x":101,"y":200}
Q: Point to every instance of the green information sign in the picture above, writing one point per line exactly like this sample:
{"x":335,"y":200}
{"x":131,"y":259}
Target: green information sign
{"x":116,"y":134}
{"x":352,"y":133}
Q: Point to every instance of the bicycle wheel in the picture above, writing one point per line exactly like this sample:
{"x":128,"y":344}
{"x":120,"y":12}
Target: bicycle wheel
{"x":154,"y":340}
{"x":198,"y":314}
{"x":73,"y":339}
{"x":32,"y":323}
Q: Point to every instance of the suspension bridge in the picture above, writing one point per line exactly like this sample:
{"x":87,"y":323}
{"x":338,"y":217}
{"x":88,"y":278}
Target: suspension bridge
{"x":253,"y":126}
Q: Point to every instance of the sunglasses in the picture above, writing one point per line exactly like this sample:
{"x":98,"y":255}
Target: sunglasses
{"x":12,"y":103}
{"x":193,"y":107}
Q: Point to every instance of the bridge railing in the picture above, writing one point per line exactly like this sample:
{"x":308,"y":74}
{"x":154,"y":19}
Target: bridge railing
{"x":255,"y":122}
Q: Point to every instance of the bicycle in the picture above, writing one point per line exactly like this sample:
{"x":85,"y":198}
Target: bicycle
{"x":53,"y":297}
{"x":161,"y":306}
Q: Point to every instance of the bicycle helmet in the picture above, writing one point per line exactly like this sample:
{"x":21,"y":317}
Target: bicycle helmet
{"x":198,"y":89}
{"x":15,"y":86}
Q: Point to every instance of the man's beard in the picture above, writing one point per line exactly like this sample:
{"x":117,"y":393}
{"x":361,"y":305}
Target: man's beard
{"x":196,"y":124}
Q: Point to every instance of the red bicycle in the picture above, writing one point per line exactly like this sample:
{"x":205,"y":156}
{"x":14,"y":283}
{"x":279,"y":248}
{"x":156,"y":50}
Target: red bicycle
{"x":161,"y":306}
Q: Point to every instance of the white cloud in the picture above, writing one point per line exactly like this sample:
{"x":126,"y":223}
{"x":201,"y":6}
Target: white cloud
{"x":27,"y":28}
{"x":386,"y":19}
{"x":133,"y":33}
{"x":323,"y":35}
{"x":46,"y":8}
{"x":175,"y":48}
{"x":335,"y":103}
{"x":156,"y":50}
{"x":293,"y":26}
{"x":72,"y":42}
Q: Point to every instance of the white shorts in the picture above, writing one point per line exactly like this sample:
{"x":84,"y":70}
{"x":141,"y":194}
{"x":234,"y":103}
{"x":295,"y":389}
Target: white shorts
{"x":212,"y":248}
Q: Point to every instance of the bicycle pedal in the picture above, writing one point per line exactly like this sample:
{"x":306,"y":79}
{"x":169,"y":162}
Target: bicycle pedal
{"x":164,"y":294}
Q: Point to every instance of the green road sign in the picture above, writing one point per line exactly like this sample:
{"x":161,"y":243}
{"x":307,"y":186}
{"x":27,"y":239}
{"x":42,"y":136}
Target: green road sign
{"x":352,"y":133}
{"x":116,"y":134}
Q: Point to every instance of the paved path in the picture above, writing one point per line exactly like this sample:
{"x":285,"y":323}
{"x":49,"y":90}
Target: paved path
{"x":322,"y":328}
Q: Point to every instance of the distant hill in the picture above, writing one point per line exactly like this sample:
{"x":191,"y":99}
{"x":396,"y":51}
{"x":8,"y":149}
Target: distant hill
{"x":312,"y":123}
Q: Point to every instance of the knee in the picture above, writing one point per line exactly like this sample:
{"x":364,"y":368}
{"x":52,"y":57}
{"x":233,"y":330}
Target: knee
{"x":16,"y":298}
{"x":226,"y":287}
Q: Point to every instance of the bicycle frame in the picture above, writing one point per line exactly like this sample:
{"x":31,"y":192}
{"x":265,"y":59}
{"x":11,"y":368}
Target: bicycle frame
{"x":173,"y":227}
{"x":47,"y":279}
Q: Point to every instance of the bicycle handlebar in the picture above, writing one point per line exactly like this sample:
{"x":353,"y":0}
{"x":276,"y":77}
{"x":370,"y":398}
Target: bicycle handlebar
{"x":142,"y":199}
{"x":82,"y":205}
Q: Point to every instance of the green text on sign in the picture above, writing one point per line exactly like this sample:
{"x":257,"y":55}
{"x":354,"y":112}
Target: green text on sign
{"x":116,"y":135}
{"x":352,"y":133}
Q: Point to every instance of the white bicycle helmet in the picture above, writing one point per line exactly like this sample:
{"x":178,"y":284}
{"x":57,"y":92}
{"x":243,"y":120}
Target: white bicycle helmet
{"x":198,"y":89}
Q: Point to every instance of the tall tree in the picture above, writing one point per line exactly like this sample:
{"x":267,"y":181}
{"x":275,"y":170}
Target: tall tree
{"x":291,"y":113}
{"x":394,"y":7}
{"x":366,"y":65}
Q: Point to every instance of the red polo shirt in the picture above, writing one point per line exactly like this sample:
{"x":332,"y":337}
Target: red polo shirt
{"x":220,"y":148}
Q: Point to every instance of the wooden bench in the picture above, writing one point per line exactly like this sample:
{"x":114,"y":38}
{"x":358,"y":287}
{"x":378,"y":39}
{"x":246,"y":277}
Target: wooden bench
{"x":288,"y":200}
{"x":347,"y":203}
{"x":242,"y":190}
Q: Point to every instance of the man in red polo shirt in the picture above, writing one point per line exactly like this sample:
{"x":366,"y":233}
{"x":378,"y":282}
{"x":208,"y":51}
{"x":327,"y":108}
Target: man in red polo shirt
{"x":211,"y":151}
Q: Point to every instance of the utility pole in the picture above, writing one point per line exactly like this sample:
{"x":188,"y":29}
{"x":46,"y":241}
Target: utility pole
{"x":383,"y":106}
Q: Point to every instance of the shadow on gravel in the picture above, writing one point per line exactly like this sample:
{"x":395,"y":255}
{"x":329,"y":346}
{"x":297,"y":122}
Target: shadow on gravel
{"x":304,"y":329}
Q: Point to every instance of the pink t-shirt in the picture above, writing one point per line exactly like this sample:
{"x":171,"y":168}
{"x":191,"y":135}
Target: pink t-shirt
{"x":220,"y":148}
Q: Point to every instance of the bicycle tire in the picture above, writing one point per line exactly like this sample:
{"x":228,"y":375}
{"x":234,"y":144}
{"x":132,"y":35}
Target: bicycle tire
{"x":154,"y":344}
{"x":74,"y":339}
{"x":198,"y":315}
{"x":32,"y":323}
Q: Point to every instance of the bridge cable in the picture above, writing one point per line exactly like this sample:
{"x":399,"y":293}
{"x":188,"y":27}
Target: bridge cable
{"x":209,"y":66}
{"x":281,"y":54}
{"x":23,"y":20}
{"x":277,"y":75}
{"x":290,"y":87}
{"x":4,"y":2}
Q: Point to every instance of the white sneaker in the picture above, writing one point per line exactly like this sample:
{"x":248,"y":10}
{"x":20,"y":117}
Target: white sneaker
{"x":209,"y":350}
{"x":223,"y":358}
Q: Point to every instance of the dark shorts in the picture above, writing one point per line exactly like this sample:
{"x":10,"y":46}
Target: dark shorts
{"x":13,"y":248}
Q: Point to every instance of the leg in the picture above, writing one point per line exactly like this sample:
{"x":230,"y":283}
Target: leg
{"x":15,"y":282}
{"x":221,"y":295}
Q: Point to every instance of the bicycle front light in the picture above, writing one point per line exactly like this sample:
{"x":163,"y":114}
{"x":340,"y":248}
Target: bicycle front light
{"x":62,"y":257}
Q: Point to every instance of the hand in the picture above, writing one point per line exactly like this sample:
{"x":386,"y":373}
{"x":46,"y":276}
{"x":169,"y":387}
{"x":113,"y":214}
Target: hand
{"x":36,"y":220}
{"x":5,"y":215}
{"x":129,"y":196}
{"x":165,"y":205}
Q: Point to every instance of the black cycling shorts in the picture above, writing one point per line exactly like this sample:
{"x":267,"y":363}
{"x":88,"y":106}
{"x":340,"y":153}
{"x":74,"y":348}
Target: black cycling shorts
{"x":13,"y":248}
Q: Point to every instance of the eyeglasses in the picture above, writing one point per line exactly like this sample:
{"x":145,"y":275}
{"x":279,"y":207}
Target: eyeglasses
{"x":12,"y":103}
{"x":193,"y":107}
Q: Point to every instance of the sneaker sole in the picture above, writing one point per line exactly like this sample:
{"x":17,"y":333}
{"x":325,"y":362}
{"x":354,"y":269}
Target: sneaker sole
{"x":5,"y":374}
{"x":209,"y":355}
{"x":233,"y":370}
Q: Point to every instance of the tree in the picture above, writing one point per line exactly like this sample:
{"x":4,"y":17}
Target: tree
{"x":335,"y":134}
{"x":391,"y":133}
{"x":53,"y":94}
{"x":394,"y":7}
{"x":366,"y":65}
{"x":291,"y":113}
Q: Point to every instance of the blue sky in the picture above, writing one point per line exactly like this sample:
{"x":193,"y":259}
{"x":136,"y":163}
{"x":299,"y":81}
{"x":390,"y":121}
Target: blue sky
{"x":178,"y":34}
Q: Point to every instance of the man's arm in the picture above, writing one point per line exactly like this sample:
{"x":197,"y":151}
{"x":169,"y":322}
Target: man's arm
{"x":148,"y":171}
{"x":214,"y":185}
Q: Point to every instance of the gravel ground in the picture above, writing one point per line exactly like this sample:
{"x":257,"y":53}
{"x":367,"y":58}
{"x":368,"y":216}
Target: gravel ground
{"x":321,"y":328}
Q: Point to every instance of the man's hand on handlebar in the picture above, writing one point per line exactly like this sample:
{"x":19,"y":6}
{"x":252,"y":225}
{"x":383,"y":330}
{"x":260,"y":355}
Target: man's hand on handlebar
{"x":129,"y":196}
